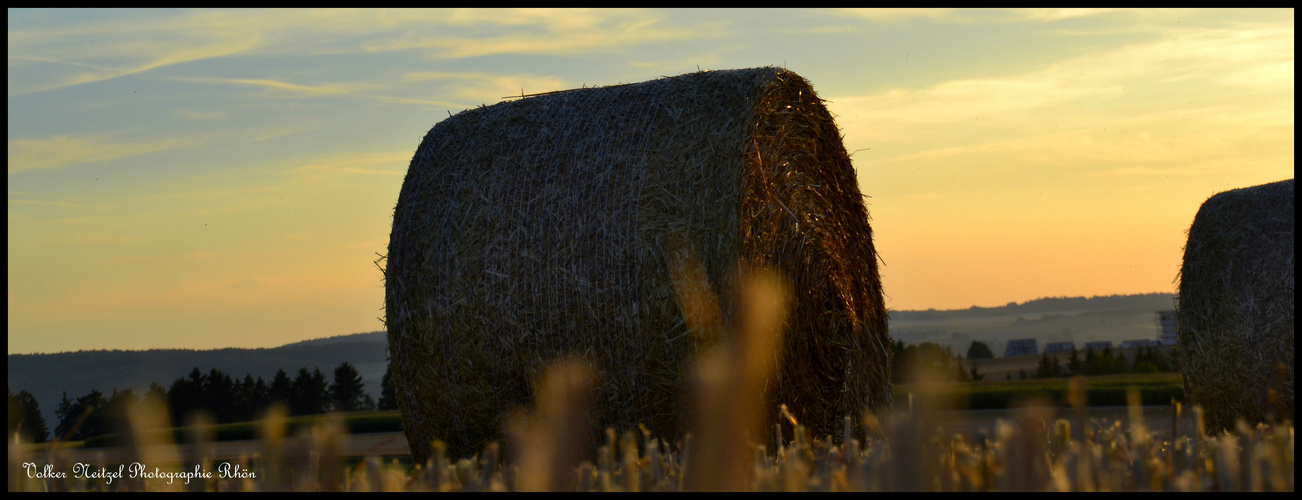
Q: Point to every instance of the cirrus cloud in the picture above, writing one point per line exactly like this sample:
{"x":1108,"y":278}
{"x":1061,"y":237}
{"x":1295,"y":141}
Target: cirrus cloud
{"x":64,"y":150}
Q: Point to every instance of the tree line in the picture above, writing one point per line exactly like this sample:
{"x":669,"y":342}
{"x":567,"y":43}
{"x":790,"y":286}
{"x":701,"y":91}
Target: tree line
{"x":1146,"y":360}
{"x":227,"y":400}
{"x":223,"y":398}
{"x":909,"y":360}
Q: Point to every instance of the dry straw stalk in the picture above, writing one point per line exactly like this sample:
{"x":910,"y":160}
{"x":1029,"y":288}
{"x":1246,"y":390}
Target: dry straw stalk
{"x":1236,"y":305}
{"x":551,"y":225}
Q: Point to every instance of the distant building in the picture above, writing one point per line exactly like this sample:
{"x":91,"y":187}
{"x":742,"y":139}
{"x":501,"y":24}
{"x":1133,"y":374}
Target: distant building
{"x":1168,"y":334}
{"x":1021,"y":347}
{"x":1098,"y":346}
{"x":1053,"y":347}
{"x":1137,"y":343}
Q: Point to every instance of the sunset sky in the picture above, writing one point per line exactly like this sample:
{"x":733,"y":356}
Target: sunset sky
{"x":204,"y":179}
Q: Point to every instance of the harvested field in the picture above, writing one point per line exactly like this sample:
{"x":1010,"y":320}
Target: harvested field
{"x":922,"y":449}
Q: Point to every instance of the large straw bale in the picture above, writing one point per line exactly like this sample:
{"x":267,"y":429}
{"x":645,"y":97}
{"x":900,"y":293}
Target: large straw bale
{"x":1236,"y":305}
{"x":551,"y":225}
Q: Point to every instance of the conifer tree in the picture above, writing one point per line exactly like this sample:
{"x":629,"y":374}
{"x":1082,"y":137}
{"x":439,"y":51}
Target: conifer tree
{"x":388,"y":400}
{"x":347,"y":393}
{"x":25,"y":417}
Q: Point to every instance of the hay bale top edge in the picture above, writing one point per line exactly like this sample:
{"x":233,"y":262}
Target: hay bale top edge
{"x":1269,"y":188}
{"x":611,"y":86}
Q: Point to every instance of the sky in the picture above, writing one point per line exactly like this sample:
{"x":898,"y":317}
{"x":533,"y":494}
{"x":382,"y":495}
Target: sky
{"x":226,"y":178}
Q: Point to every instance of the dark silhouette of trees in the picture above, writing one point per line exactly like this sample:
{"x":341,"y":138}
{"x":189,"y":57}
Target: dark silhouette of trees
{"x":347,"y":392}
{"x":388,"y":400}
{"x":116,"y":417}
{"x":1103,"y":363}
{"x":215,"y":393}
{"x":1152,"y":360}
{"x":219,"y":396}
{"x":281,"y":389}
{"x":156,"y":392}
{"x":186,"y":396}
{"x":25,"y":418}
{"x":310,"y":394}
{"x":1049,"y":367}
{"x":979,"y":350}
{"x":82,"y":418}
{"x":251,"y":397}
{"x":1074,"y":363}
{"x":928,"y":358}
{"x":1091,"y":362}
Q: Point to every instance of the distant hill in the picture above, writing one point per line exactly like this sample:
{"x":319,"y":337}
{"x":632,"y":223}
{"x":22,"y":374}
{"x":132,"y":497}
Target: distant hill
{"x":354,"y":337}
{"x":1057,"y":319}
{"x":1049,"y":305}
{"x":47,"y":376}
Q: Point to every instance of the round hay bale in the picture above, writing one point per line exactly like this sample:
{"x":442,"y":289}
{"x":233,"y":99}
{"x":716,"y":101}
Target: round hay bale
{"x":547,"y":225}
{"x":1235,"y":315}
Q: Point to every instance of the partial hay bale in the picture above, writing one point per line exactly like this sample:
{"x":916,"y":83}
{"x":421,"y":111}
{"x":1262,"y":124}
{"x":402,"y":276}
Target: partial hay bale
{"x":548,"y":225}
{"x":1235,"y":313}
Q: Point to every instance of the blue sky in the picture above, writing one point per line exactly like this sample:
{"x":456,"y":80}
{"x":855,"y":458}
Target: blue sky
{"x":212,"y":178}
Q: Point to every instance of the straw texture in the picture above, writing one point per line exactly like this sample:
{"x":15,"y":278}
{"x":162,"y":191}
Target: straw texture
{"x":558,"y":224}
{"x":1236,"y":305}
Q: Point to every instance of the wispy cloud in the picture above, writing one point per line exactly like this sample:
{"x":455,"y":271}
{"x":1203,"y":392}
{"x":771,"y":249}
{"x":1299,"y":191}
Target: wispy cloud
{"x":292,"y":88}
{"x":350,"y":90}
{"x":64,"y":150}
{"x":896,"y":14}
{"x":99,"y":238}
{"x":365,"y":164}
{"x":1054,"y":14}
{"x":487,"y":88}
{"x":107,"y":49}
{"x":191,"y":114}
{"x":971,"y":15}
{"x":57,"y":204}
{"x":276,"y":133}
{"x":820,"y":30}
{"x":1260,"y":59}
{"x":540,"y":31}
{"x":709,"y":60}
{"x":45,"y":58}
